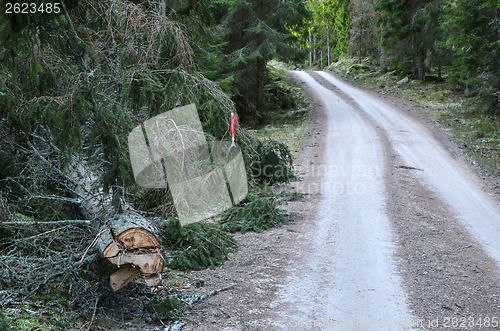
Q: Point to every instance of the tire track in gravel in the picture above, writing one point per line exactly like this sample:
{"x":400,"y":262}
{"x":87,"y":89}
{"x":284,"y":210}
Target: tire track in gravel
{"x":344,"y":275}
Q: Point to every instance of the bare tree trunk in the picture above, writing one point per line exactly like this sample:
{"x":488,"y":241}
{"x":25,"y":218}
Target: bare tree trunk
{"x":360,"y":41}
{"x":261,"y":67}
{"x":329,"y":59}
{"x":315,"y":51}
{"x":440,"y":68}
{"x":310,"y":50}
{"x":421,"y":64}
{"x":321,"y":52}
{"x":383,"y":57}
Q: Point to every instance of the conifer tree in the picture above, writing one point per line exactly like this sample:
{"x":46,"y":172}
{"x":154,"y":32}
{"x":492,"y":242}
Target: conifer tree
{"x":475,"y":43}
{"x":410,"y":30}
{"x":363,"y":34}
{"x":256,"y":31}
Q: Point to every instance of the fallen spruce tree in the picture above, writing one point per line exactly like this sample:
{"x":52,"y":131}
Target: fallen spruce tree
{"x":73,"y":223}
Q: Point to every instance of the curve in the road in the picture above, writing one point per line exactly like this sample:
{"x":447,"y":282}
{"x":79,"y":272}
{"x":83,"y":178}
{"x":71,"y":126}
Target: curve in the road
{"x":450,"y":178}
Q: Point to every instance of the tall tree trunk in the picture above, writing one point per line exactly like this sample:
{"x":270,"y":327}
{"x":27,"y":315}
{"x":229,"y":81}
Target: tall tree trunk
{"x":321,"y":52}
{"x":261,"y":70}
{"x":360,"y":45}
{"x":382,"y":60}
{"x":310,"y":50}
{"x":315,"y":51}
{"x":329,"y":59}
{"x":421,"y":64}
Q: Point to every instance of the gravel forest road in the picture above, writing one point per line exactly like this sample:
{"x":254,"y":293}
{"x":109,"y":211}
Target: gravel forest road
{"x":451,"y":180}
{"x":396,"y":230}
{"x":350,"y":271}
{"x":348,"y":277}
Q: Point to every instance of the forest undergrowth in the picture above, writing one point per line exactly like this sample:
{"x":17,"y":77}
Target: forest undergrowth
{"x":57,"y":291}
{"x":72,"y":87}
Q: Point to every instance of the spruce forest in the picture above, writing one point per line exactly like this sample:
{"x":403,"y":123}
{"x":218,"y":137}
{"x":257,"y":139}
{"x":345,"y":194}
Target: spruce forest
{"x":77,"y":77}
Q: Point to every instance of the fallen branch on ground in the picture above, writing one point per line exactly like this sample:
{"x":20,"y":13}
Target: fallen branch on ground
{"x":49,"y":223}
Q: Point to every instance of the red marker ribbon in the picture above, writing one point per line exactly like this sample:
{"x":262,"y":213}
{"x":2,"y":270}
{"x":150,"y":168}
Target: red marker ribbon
{"x":233,"y":124}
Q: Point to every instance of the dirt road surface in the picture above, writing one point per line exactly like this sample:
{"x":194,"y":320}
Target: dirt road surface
{"x":455,"y":184}
{"x":349,"y":272}
{"x":396,"y":231}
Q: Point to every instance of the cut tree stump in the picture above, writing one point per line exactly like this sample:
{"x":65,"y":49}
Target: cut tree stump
{"x":130,"y":242}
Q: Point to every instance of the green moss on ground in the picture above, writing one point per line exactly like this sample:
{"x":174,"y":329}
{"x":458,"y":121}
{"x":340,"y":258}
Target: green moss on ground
{"x":28,"y":317}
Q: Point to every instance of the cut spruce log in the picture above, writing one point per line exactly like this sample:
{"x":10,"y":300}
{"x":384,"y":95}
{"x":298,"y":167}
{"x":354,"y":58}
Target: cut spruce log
{"x":130,"y":242}
{"x":127,"y":239}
